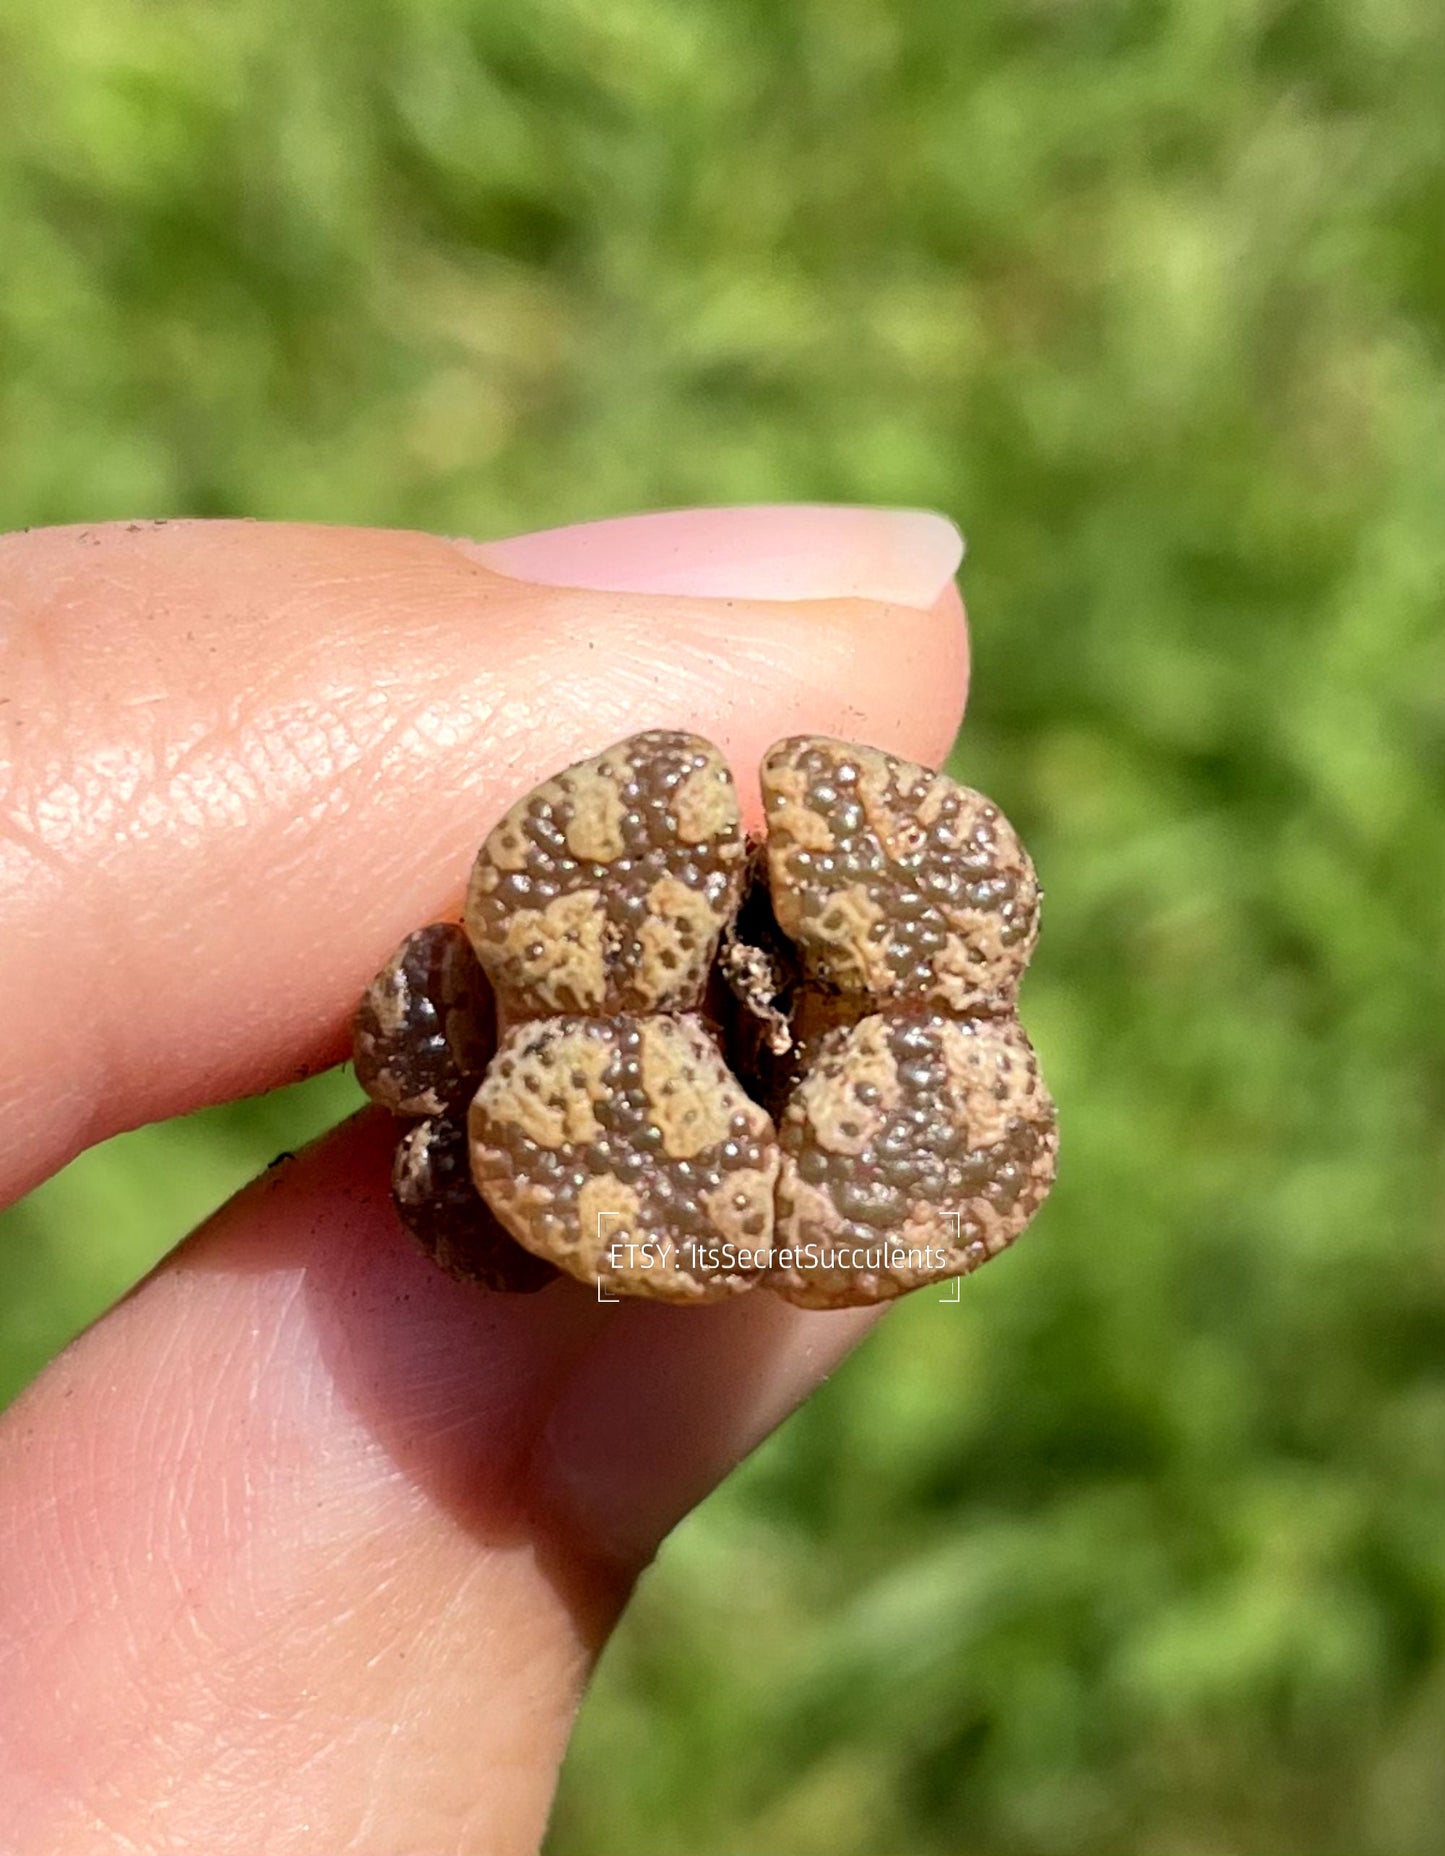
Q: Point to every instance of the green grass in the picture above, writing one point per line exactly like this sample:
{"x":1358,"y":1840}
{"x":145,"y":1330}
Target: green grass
{"x":1139,"y":1548}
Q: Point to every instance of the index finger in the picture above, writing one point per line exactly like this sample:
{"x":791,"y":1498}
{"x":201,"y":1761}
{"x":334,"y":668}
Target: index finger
{"x":241,"y":760}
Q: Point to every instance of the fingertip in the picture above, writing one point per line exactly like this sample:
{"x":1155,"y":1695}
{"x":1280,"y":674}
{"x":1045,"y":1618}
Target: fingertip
{"x":665,"y":1402}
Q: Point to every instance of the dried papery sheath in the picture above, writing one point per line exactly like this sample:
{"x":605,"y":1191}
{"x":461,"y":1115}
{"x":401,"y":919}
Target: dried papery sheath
{"x":424,"y":1030}
{"x":441,"y":1207}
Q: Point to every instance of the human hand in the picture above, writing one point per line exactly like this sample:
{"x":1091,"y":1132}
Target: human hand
{"x":305,"y":1546}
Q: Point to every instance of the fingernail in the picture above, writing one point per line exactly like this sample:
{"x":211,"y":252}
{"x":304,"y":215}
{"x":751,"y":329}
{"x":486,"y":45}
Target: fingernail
{"x":778,"y":551}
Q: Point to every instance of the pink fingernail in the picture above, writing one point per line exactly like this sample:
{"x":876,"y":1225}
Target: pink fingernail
{"x":778,"y":551}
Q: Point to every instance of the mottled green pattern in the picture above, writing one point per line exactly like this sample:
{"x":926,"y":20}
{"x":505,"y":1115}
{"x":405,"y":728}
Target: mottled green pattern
{"x":1139,"y":1547}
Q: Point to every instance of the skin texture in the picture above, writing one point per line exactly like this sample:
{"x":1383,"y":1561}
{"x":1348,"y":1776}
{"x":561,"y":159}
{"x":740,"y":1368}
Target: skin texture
{"x":676,"y":1166}
{"x":894,"y":881}
{"x":307,"y":1546}
{"x":915,"y":1147}
{"x":622,"y":1151}
{"x":918,"y":1140}
{"x":605,"y":890}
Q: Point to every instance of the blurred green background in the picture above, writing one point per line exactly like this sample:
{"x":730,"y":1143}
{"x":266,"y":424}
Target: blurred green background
{"x":1141,"y":1548}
